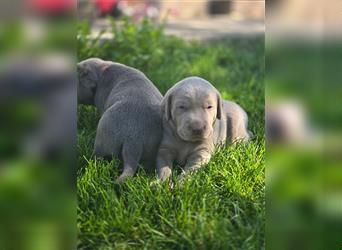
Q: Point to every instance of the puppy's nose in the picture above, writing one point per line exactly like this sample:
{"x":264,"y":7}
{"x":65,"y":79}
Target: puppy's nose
{"x":198,"y":128}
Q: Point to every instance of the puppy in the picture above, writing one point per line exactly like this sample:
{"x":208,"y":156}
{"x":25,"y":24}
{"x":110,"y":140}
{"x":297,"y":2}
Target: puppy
{"x":130,"y":126}
{"x":195,"y":119}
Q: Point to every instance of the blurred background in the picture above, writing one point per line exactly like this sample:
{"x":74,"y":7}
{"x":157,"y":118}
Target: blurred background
{"x":303,"y":110}
{"x":200,"y":19}
{"x":37,"y":125}
{"x":303,"y":124}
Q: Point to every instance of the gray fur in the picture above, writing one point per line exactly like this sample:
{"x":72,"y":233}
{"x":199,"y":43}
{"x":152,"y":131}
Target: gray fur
{"x":130,"y":126}
{"x":195,"y":120}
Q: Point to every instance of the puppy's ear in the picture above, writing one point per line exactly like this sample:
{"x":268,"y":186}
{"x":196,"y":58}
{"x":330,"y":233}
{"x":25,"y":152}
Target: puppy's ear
{"x":166,"y":106}
{"x":219,"y":106}
{"x":81,"y":69}
{"x":85,"y":76}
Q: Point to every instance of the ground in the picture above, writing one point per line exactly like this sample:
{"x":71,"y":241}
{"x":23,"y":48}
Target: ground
{"x":222,"y":206}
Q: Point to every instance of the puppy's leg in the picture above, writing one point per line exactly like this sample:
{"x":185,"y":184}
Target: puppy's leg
{"x":164,"y":164}
{"x":195,"y":161}
{"x":131,"y":154}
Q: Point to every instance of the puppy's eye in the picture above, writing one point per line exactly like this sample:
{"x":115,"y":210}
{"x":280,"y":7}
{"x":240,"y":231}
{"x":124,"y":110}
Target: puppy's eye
{"x":209,"y":107}
{"x":181,"y":107}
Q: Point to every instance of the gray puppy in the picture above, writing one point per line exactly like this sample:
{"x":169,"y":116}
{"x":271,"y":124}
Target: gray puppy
{"x":195,"y":119}
{"x":130,"y":126}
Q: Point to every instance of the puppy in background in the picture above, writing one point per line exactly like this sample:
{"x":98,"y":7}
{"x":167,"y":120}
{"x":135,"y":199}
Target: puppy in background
{"x":130,"y":126}
{"x":195,"y":119}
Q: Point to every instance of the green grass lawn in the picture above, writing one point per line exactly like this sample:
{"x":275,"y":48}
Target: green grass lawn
{"x":222,"y":206}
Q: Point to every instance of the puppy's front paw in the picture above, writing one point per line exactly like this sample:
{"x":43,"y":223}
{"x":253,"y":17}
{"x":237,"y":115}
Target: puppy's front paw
{"x":164,"y":173}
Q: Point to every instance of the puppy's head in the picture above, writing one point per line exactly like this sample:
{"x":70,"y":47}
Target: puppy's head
{"x":89,"y":73}
{"x":192,"y":106}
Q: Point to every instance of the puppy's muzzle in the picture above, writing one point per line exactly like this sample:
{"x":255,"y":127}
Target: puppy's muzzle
{"x":198,"y":128}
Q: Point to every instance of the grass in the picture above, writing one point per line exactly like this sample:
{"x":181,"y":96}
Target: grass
{"x":222,"y":206}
